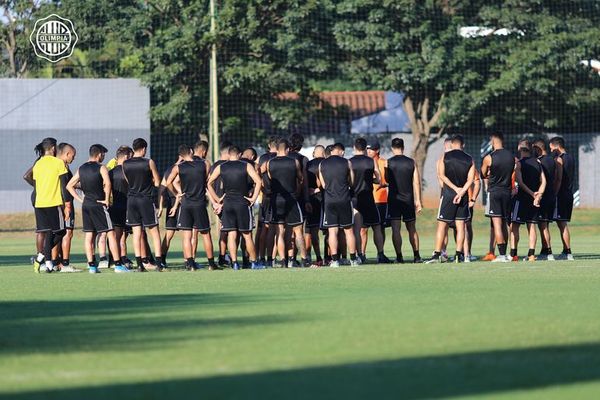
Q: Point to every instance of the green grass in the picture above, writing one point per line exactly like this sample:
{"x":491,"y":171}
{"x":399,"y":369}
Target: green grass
{"x":398,"y":331}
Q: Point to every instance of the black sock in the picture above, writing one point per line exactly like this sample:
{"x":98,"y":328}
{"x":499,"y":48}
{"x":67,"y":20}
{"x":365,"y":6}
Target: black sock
{"x":543,"y":251}
{"x":124,"y":260}
{"x":566,"y":251}
{"x":549,"y":250}
{"x":531,"y":252}
{"x":139,"y":261}
{"x":513,"y":252}
{"x":270,"y":259}
{"x":190,"y":261}
{"x":502,"y":249}
{"x":436,"y":254}
{"x":65,"y":262}
{"x":335,"y":257}
{"x":103,"y":258}
{"x":319,"y":258}
{"x":91,"y":264}
{"x":460,"y":255}
{"x":399,"y":256}
{"x":416,"y":254}
{"x":145,"y":260}
{"x":353,"y":256}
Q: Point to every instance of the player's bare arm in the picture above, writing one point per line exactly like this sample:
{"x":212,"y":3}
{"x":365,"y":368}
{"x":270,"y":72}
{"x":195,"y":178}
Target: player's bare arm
{"x":71,"y":187}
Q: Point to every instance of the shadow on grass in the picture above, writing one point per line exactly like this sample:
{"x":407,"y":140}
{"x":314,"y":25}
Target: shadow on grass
{"x":131,"y":323}
{"x":411,"y":378}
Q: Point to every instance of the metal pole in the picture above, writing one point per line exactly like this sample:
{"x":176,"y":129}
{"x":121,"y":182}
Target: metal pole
{"x":214,"y":102}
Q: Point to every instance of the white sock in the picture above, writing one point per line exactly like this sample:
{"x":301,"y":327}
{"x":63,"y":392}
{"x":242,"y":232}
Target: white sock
{"x":40,"y":257}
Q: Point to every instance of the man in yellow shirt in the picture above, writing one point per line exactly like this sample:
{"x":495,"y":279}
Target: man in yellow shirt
{"x":49,"y":175}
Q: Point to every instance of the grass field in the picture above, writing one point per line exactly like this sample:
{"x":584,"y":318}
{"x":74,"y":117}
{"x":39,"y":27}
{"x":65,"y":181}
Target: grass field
{"x":408,"y":331}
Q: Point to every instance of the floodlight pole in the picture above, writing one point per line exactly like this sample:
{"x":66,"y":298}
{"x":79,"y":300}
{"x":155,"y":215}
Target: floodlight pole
{"x":214,"y":103}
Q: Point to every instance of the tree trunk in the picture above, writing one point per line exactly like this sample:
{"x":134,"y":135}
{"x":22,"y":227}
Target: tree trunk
{"x":420,"y":125}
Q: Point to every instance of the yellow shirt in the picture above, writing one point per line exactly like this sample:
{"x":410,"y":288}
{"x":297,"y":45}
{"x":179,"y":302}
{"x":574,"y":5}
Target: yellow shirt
{"x":46,"y":174}
{"x":111,"y":164}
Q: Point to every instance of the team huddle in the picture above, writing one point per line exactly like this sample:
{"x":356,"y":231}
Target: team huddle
{"x":299,"y":199}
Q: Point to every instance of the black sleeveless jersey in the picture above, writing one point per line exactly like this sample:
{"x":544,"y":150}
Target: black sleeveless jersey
{"x":549,"y":169}
{"x":167,"y":195}
{"x":138,"y":173}
{"x":363,"y":168}
{"x":91,"y":182}
{"x":336,"y":174}
{"x":193,"y":176}
{"x":119,"y":187}
{"x":531,"y":170}
{"x":218,"y":183}
{"x":457,"y":164}
{"x":312,"y":172}
{"x":503,"y":165}
{"x":283,"y":177}
{"x":567,"y":186}
{"x":303,"y":161}
{"x":234,"y":175}
{"x":399,"y":176}
{"x":266,"y":182}
{"x":67,"y":195}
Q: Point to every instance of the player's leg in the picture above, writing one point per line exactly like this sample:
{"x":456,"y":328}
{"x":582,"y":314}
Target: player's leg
{"x":188,"y":253}
{"x":531,"y":228}
{"x":397,"y":239}
{"x":232,"y":247}
{"x":490,"y":256}
{"x":468,"y":238}
{"x":247,"y":238}
{"x":194,"y":241}
{"x":565,"y":236}
{"x":500,"y":229}
{"x":413,"y":238}
{"x":332,"y":238}
{"x":88,"y":244}
{"x":440,"y":234}
{"x":166,"y":243}
{"x":514,"y":241}
{"x":460,"y":240}
{"x":101,"y":243}
{"x":300,"y":245}
{"x":66,"y":248}
{"x":113,"y":245}
{"x":351,"y":244}
{"x":358,"y":224}
{"x":154,"y":233}
{"x":281,"y":242}
{"x":316,"y":245}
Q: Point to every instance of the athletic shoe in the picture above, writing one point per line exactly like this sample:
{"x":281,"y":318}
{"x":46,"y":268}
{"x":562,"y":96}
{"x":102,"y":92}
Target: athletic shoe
{"x":435,"y":260}
{"x":214,"y":267}
{"x":36,"y":266}
{"x":43,"y":268}
{"x":565,"y":257}
{"x":542,"y":257}
{"x":119,"y":269}
{"x":399,"y":260}
{"x":128,"y":263}
{"x":198,"y":266}
{"x":529,"y":258}
{"x":488,"y":257}
{"x":471,"y":258}
{"x":148,"y":266}
{"x":550,"y":257}
{"x":418,"y":260}
{"x":459,"y":259}
{"x":93,"y":270}
{"x":141,"y":268}
{"x":256,"y":265}
{"x":382,"y":259}
{"x":514,"y":258}
{"x":334,"y":264}
{"x":103,"y":264}
{"x":69,"y":268}
{"x":236,"y":266}
{"x":467,"y":259}
{"x":161,"y":266}
{"x":344,"y":261}
{"x":501,"y":259}
{"x":363,"y":259}
{"x":355,"y":263}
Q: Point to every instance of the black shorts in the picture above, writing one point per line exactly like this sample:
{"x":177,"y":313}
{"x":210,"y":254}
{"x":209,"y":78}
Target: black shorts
{"x":171,"y":223}
{"x":547,"y":208}
{"x":498,"y":204}
{"x":236,"y":217}
{"x":564,"y":207}
{"x":118,"y":216}
{"x":471,"y":211}
{"x":313,"y":218}
{"x":382,"y":209}
{"x":96,"y":218}
{"x":264,"y":214}
{"x":524,"y":211}
{"x":141,"y":211}
{"x":338,"y":214}
{"x":193,"y":217}
{"x":286,"y":211}
{"x":404,"y":210}
{"x":450,"y":212}
{"x":49,"y":219}
{"x":365,"y":205}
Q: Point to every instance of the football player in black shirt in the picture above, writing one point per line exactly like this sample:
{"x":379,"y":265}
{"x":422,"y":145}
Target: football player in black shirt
{"x":564,"y":194}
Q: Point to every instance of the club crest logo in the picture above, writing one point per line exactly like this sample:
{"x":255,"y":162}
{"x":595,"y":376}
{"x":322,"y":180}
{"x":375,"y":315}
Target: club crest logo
{"x":53,"y":38}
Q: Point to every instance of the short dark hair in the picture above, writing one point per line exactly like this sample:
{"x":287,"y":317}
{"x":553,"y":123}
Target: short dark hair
{"x":233,"y":149}
{"x":360,"y":144}
{"x":498,"y":135}
{"x":139,"y":143}
{"x":296,"y":141}
{"x":338,"y":146}
{"x":398,"y":143}
{"x":558,"y":141}
{"x":272,"y":140}
{"x":458,"y":139}
{"x":201,"y":144}
{"x":97,"y":149}
{"x":63,"y":146}
{"x":328,"y":149}
{"x":253,"y":151}
{"x":124,"y":151}
{"x":184,"y":150}
{"x":225,"y":146}
{"x":283,"y":142}
{"x":541,"y":143}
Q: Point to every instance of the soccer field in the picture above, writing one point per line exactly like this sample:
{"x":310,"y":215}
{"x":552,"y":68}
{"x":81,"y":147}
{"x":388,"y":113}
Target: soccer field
{"x":516,"y":330}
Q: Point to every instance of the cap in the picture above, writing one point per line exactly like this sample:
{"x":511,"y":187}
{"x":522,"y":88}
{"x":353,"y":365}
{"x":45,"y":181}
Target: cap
{"x":373,"y":144}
